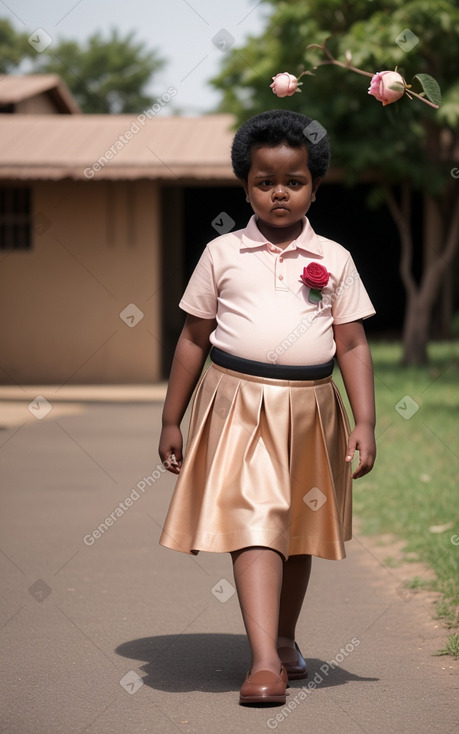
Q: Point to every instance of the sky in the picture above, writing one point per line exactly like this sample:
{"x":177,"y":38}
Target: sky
{"x":191,"y":35}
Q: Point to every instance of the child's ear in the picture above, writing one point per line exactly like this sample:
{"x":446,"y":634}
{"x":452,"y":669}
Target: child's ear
{"x":315,"y":186}
{"x":246,"y":189}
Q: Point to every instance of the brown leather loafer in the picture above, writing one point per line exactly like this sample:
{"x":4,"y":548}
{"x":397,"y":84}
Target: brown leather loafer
{"x":295,"y":665}
{"x":264,"y":687}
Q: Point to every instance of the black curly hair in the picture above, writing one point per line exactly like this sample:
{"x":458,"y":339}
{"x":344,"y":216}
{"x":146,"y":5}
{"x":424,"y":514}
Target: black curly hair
{"x":274,"y":127}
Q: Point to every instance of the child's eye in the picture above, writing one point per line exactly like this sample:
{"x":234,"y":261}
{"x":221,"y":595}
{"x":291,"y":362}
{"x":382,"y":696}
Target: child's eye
{"x":294,"y":183}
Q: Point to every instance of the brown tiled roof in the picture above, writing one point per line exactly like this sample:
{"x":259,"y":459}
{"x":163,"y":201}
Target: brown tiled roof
{"x":14,"y":89}
{"x":95,"y":147}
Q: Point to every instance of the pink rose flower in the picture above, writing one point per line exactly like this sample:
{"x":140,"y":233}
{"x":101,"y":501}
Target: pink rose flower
{"x":387,"y":87}
{"x":284,"y":84}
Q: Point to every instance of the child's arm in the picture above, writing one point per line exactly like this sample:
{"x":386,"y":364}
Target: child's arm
{"x":356,"y":367}
{"x":190,"y":354}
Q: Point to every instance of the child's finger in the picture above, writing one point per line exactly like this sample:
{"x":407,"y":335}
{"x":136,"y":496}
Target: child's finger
{"x":172,"y":463}
{"x":176,"y":460}
{"x":350,"y":452}
{"x":358,"y":472}
{"x":366,"y":462}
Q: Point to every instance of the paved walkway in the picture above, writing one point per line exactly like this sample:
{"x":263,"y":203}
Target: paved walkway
{"x":105,"y":632}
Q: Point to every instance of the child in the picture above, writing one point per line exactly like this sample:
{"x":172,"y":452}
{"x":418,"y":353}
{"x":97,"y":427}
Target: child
{"x":267,"y":473}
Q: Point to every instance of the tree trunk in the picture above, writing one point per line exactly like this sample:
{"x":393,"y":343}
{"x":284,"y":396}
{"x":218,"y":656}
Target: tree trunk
{"x":415,"y":332}
{"x":421,"y":298}
{"x":433,"y":241}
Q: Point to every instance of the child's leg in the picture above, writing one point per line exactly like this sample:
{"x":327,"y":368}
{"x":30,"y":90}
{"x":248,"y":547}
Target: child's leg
{"x":295,"y":580}
{"x":258,"y":577}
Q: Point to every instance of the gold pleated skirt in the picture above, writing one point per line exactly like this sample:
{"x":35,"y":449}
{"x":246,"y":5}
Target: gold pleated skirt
{"x":264,"y":466}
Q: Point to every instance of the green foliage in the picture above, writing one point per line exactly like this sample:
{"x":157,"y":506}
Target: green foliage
{"x":105,"y":76}
{"x":452,"y":646}
{"x":413,"y":485}
{"x":364,"y":135}
{"x":13,"y":47}
{"x":430,"y":87}
{"x":448,"y":114}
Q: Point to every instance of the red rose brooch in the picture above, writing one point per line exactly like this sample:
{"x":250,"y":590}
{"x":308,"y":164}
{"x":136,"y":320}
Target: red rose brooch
{"x":315,"y":277}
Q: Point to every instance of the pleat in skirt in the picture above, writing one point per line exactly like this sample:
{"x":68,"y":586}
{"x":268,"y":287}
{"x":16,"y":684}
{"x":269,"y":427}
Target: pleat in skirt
{"x":264,"y":466}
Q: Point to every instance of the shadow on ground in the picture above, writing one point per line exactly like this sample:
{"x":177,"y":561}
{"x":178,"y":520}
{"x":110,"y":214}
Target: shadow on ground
{"x":212,"y":662}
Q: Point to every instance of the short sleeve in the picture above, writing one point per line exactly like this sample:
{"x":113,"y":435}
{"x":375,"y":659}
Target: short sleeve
{"x":200,"y":296}
{"x":350,"y":299}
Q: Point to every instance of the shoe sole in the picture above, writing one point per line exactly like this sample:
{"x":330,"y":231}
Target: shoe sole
{"x":262,"y":699}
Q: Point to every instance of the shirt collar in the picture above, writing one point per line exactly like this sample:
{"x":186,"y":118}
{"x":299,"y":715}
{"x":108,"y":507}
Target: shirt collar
{"x":307,"y":239}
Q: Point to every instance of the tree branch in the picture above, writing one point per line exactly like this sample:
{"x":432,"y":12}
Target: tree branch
{"x":402,"y":216}
{"x":335,"y":62}
{"x":348,"y":65}
{"x":423,"y":99}
{"x":452,"y":238}
{"x":434,"y":272}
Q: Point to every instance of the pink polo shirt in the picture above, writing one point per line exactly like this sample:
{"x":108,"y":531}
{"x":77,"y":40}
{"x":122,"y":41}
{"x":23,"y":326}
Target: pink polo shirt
{"x":263,"y":311}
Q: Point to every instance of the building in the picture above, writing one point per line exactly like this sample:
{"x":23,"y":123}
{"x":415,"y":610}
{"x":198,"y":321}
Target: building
{"x":38,"y":94}
{"x":92,"y":221}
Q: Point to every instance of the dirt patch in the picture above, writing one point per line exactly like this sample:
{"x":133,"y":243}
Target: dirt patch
{"x":406,"y":580}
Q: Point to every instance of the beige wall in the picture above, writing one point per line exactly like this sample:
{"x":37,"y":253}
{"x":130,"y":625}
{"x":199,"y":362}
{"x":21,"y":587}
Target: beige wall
{"x":40,"y":104}
{"x":96,"y":249}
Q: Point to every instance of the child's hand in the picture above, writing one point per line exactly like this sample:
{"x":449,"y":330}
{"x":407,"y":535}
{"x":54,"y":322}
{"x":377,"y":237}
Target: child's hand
{"x":170,"y":448}
{"x":362,"y":438}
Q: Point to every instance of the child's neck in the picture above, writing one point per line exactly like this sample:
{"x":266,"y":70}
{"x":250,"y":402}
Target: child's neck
{"x":280,"y":236}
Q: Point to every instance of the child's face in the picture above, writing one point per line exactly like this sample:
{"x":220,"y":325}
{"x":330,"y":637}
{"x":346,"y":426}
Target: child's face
{"x":280,"y":186}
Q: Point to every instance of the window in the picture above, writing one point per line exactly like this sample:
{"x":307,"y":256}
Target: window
{"x":15,"y":218}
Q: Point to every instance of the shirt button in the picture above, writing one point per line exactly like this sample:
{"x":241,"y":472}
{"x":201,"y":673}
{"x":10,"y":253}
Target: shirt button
{"x":281,"y":277}
{"x":281,"y":259}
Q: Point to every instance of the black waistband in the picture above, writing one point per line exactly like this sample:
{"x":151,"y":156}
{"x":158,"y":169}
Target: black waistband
{"x":274,"y":371}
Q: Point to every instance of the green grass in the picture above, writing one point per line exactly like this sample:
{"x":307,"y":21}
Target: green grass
{"x":413,"y":489}
{"x":452,"y":646}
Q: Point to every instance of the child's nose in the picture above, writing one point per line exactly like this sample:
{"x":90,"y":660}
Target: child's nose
{"x":279,"y":192}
